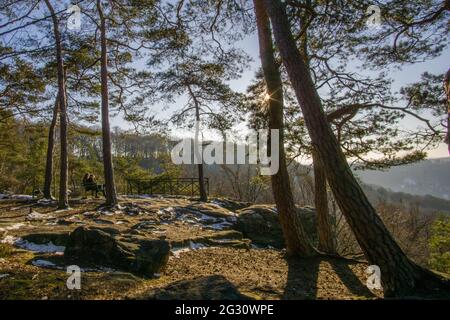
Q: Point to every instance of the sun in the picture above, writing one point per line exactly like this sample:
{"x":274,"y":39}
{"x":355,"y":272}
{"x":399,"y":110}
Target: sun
{"x":266,"y":97}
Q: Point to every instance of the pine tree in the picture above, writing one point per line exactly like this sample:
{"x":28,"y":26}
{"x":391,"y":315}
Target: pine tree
{"x":400,"y":276}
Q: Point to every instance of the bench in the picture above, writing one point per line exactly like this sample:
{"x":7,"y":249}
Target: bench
{"x":94,"y":187}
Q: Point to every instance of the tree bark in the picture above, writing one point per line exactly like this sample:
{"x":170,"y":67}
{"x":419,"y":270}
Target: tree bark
{"x":447,"y":93}
{"x":201,"y":175}
{"x":50,"y":146}
{"x":63,"y":201}
{"x":324,"y":230}
{"x":110,"y":186}
{"x":296,"y":239}
{"x":399,"y":275}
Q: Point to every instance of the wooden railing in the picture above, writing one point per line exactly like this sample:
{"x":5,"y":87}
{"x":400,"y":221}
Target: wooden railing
{"x":180,"y":186}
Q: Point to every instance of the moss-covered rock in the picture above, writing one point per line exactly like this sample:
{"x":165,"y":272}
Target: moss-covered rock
{"x":209,"y":209}
{"x":92,"y":246}
{"x":232,"y":205}
{"x":260,"y":223}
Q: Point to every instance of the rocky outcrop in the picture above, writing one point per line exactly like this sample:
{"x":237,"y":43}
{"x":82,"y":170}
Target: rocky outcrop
{"x":95,"y":247}
{"x":57,"y":238}
{"x":210,"y":209}
{"x":260,"y":224}
{"x":226,"y":238}
{"x":232,"y":205}
{"x":214,"y":287}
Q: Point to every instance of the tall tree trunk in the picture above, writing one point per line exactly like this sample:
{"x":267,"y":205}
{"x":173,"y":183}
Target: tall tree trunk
{"x":324,"y":230}
{"x":447,"y":92}
{"x":110,"y":186}
{"x":63,"y":201}
{"x":50,"y":147}
{"x":201,"y":174}
{"x":201,"y":179}
{"x":400,"y":276}
{"x":296,"y":239}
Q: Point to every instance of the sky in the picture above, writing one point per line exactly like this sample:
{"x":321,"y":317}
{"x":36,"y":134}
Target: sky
{"x":407,"y":75}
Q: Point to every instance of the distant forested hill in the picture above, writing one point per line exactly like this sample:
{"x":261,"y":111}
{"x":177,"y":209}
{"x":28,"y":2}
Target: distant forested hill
{"x":428,"y":177}
{"x":426,"y":203}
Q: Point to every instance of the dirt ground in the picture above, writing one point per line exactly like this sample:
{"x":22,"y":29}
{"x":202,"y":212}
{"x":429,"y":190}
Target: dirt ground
{"x":259,"y":273}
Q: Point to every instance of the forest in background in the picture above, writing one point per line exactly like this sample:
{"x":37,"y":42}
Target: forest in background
{"x":418,"y":222}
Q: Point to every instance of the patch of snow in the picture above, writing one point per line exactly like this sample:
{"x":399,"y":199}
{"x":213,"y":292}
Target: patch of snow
{"x":40,"y":248}
{"x":140,"y":196}
{"x":21,"y":197}
{"x":9,"y":240}
{"x":219,"y":226}
{"x":74,"y":218}
{"x":109,"y":213}
{"x":15,"y":197}
{"x":36,"y":216}
{"x":15,"y":226}
{"x":217,"y":203}
{"x":46,"y":201}
{"x":43,"y":263}
{"x":224,"y":240}
{"x":192,"y":246}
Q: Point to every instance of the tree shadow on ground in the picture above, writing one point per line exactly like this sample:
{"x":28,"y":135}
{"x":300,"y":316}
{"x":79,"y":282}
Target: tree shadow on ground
{"x":354,"y":284}
{"x":302,"y":278}
{"x":334,"y":275}
{"x":214,"y":287}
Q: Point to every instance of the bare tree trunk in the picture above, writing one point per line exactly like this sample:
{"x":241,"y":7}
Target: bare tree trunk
{"x":296,"y":239}
{"x":50,"y":146}
{"x":400,"y":276}
{"x":201,"y":175}
{"x":63,"y":201}
{"x":201,"y":179}
{"x":447,"y":93}
{"x":110,"y":186}
{"x":324,"y":230}
{"x":326,"y":240}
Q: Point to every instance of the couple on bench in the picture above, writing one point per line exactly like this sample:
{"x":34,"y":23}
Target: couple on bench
{"x":90,"y":184}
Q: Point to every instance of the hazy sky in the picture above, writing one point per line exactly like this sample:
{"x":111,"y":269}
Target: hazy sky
{"x":408,"y":74}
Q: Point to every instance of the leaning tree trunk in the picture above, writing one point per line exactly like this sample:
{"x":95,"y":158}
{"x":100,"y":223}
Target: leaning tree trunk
{"x":63,"y":201}
{"x":110,"y":186}
{"x":399,"y":275}
{"x":50,"y":146}
{"x":324,"y":230}
{"x":296,"y":239}
{"x":326,"y":243}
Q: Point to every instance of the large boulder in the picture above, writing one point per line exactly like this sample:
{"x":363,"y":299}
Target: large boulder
{"x":232,"y":205}
{"x":210,"y":209}
{"x":260,"y":223}
{"x":214,"y":287}
{"x":95,"y":247}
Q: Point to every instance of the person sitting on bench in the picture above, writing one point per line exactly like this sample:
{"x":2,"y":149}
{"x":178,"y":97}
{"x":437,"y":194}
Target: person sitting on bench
{"x":90,"y":184}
